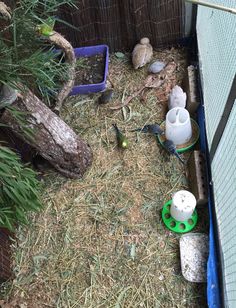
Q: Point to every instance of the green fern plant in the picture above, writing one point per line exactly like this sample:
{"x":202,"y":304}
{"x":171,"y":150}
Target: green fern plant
{"x":19,"y":190}
{"x":27,"y":58}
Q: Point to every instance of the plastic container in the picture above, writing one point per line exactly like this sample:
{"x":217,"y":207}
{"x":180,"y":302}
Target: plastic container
{"x":183,"y":205}
{"x":87,"y":52}
{"x":178,"y":126}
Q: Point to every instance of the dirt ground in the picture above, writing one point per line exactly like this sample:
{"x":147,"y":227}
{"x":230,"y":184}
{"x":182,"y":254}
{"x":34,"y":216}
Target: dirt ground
{"x":100,"y":241}
{"x":90,"y":70}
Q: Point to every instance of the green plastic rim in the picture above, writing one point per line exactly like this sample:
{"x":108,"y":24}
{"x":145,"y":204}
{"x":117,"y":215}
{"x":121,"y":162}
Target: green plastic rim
{"x":193,"y":141}
{"x":175,"y":225}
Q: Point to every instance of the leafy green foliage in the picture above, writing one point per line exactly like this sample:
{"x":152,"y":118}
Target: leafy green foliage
{"x":19,"y":116}
{"x":43,"y":8}
{"x":26,"y":58}
{"x":28,"y":61}
{"x":18,"y":190}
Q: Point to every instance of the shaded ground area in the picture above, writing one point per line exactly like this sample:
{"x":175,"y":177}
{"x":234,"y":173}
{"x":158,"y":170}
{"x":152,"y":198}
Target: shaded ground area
{"x":100,"y":241}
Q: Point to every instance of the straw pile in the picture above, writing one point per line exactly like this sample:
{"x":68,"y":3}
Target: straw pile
{"x":100,"y":241}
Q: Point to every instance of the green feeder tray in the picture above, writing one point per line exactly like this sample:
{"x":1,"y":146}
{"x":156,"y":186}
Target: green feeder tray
{"x":175,"y":225}
{"x":188,"y":145}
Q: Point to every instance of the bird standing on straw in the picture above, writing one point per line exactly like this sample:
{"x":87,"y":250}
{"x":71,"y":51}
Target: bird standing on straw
{"x":142,"y":53}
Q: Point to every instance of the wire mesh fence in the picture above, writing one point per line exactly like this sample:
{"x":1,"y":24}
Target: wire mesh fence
{"x":217,"y":47}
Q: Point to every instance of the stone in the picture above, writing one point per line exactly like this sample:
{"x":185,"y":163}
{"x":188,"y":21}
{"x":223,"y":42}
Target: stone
{"x":156,"y":67}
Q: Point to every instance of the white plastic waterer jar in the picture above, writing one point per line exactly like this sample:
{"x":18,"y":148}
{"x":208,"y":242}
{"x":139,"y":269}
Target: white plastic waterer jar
{"x":178,"y":126}
{"x":182,"y":205}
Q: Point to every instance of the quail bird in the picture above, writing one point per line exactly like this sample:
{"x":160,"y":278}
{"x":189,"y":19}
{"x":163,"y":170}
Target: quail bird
{"x":150,"y":128}
{"x":105,"y":97}
{"x":171,"y":148}
{"x":142,"y":53}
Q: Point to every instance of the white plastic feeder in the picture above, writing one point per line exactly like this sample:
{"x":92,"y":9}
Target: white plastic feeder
{"x":183,"y":205}
{"x":178,"y":126}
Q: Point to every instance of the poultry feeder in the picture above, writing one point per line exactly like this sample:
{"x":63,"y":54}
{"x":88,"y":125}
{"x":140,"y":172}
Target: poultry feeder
{"x":179,"y":214}
{"x":178,"y":126}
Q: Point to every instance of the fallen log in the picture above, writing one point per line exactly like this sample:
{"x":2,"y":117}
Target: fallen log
{"x":52,"y":137}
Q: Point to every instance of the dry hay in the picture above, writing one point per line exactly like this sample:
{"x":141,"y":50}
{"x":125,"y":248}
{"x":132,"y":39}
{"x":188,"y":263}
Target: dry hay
{"x":100,"y":241}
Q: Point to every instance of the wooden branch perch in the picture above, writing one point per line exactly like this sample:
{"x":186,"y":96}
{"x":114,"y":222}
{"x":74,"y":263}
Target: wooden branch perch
{"x":57,"y":39}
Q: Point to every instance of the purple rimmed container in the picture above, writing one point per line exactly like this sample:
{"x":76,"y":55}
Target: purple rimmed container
{"x":88,"y":52}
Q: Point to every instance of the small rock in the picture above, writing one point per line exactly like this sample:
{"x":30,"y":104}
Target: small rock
{"x":156,"y":67}
{"x":161,"y":277}
{"x":119,"y":54}
{"x":193,"y":256}
{"x":133,"y":251}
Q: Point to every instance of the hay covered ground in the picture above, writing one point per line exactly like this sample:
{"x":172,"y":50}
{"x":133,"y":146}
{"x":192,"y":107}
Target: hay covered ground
{"x":100,"y":241}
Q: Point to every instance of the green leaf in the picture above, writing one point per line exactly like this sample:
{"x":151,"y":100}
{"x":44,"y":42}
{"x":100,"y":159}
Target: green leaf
{"x":18,"y":190}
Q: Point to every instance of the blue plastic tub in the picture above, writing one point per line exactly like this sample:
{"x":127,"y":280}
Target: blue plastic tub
{"x":87,"y":52}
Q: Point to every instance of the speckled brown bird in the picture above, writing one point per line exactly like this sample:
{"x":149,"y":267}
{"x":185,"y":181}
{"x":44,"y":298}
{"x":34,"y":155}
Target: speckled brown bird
{"x":142,"y":53}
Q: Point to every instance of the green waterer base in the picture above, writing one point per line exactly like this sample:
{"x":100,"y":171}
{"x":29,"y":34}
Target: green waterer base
{"x":178,"y":226}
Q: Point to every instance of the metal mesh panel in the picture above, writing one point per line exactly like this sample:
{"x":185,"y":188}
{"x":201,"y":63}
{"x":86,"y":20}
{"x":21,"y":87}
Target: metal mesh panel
{"x":217,"y":51}
{"x":216,"y":32}
{"x":224,"y":180}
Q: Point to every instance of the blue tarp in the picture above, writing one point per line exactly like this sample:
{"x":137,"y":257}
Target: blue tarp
{"x":213,"y":287}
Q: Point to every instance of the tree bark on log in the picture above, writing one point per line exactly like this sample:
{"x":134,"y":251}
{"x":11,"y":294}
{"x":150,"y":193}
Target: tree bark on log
{"x":5,"y":11}
{"x":52,"y":138}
